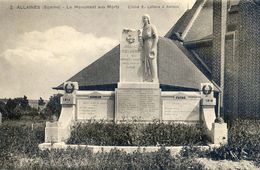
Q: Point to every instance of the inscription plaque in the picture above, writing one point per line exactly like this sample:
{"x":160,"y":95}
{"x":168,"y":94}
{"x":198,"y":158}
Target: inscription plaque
{"x":140,"y":104}
{"x":92,"y":108}
{"x":181,"y":108}
{"x":130,"y":57}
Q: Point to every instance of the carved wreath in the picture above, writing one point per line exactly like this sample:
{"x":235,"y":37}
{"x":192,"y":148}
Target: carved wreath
{"x":206,"y":89}
{"x":69,"y":88}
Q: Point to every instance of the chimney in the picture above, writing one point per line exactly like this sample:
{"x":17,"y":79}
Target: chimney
{"x":219,"y":33}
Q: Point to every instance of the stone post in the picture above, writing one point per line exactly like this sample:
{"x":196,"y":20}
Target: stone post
{"x":215,"y":128}
{"x":59,"y":131}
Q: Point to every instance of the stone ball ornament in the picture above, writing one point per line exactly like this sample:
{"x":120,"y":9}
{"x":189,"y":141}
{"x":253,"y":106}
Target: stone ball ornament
{"x":219,"y":120}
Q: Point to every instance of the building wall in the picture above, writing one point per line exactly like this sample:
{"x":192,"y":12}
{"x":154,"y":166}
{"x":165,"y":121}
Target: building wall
{"x":242,"y":61}
{"x":249,"y":59}
{"x":231,"y":77}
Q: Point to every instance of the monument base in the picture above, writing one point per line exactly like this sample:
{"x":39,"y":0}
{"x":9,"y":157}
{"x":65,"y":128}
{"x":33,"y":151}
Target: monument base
{"x":138,"y":102}
{"x":219,"y":133}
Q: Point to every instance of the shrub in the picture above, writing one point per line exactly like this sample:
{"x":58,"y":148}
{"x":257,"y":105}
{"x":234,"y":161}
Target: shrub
{"x":243,"y":144}
{"x":100,"y":133}
{"x":20,"y":139}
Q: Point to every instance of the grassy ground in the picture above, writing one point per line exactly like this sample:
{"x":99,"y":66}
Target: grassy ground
{"x":19,"y":150}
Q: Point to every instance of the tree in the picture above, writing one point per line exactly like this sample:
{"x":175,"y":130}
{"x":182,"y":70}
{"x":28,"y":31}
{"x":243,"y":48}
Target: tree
{"x":10,"y":105}
{"x":16,"y":107}
{"x":17,"y":112}
{"x":41,"y":102}
{"x":3,"y":109}
{"x":24,"y":102}
{"x":13,"y":108}
{"x":53,"y":107}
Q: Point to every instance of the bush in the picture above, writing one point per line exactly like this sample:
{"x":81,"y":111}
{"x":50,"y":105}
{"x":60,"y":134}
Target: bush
{"x":243,"y":144}
{"x":22,"y":139}
{"x":100,"y":133}
{"x":53,"y":107}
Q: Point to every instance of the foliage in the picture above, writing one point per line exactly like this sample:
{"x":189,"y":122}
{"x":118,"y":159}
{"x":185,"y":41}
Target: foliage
{"x":19,"y":149}
{"x":243,"y":144}
{"x":100,"y":133}
{"x":3,"y":109}
{"x":41,"y":102}
{"x":17,"y":140}
{"x":12,"y":108}
{"x":53,"y":107}
{"x":24,"y":102}
{"x":15,"y":108}
{"x":20,"y":152}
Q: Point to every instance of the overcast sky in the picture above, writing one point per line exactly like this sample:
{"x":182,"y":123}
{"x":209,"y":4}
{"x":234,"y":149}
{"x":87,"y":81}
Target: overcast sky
{"x":42,"y":48}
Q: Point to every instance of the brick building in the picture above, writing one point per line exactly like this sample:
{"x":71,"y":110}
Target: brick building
{"x":224,"y":37}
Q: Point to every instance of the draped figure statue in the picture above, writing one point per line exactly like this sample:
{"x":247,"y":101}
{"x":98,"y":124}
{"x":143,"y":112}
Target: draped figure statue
{"x":149,"y":41}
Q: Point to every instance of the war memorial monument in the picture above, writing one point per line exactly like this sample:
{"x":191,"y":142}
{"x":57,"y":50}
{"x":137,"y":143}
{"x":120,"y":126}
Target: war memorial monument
{"x":156,"y":81}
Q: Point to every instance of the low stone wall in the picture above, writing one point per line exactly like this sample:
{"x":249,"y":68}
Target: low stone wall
{"x":174,"y":150}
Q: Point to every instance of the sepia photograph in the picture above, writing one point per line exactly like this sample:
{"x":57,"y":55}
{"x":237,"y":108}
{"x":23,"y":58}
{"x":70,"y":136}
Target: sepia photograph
{"x":130,"y":84}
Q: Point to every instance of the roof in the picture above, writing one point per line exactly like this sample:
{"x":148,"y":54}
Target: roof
{"x":174,"y":64}
{"x":183,"y":22}
{"x":200,"y":14}
{"x":177,"y":66}
{"x":105,"y":70}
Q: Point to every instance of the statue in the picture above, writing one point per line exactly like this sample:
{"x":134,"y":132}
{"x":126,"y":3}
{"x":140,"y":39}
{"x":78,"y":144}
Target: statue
{"x":149,"y":41}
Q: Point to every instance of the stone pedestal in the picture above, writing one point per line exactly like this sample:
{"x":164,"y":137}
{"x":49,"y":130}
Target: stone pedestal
{"x":219,"y":133}
{"x":52,"y":132}
{"x":138,"y":103}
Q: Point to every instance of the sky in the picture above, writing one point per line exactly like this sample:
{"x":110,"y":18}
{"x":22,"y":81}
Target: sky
{"x":44,"y":43}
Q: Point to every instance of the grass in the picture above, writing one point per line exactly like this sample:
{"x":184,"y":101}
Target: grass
{"x":19,"y":149}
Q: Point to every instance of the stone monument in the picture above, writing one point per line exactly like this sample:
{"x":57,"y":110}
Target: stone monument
{"x":138,"y":96}
{"x":138,"y":93}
